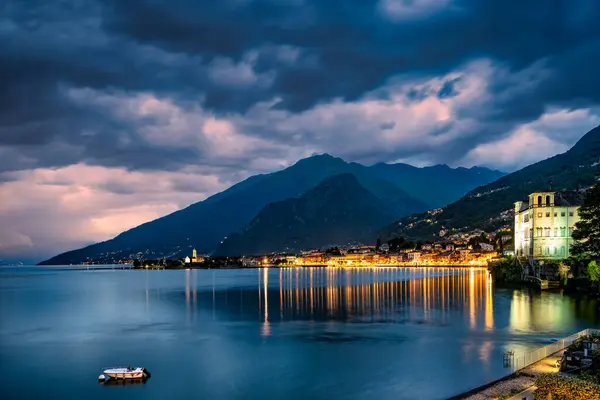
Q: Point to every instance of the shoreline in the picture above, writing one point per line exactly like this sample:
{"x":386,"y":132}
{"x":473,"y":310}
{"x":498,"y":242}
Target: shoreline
{"x":515,"y":383}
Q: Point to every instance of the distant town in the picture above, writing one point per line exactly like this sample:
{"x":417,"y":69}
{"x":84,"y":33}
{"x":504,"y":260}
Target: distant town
{"x":542,"y":229}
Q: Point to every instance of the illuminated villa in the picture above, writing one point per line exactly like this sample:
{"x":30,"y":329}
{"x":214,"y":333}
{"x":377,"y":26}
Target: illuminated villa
{"x":544,"y":225}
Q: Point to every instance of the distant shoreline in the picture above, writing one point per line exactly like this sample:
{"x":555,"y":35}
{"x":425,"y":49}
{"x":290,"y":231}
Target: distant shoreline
{"x":130,"y":266}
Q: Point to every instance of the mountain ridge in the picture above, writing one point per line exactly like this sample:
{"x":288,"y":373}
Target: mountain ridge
{"x":483,"y":207}
{"x":206,"y":223}
{"x":337,"y":211}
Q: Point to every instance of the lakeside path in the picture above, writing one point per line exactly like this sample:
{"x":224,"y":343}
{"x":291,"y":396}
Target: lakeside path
{"x":517,"y":387}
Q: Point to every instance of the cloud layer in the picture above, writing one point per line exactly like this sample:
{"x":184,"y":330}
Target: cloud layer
{"x":116,"y":112}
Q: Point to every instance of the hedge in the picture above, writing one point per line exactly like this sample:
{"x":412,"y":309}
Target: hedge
{"x":556,"y":387}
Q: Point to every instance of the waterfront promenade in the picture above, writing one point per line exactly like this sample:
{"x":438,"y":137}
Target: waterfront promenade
{"x":522,"y":371}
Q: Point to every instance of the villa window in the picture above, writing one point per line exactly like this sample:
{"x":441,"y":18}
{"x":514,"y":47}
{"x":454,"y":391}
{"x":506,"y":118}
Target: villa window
{"x":562,"y":251}
{"x":555,"y":232}
{"x":555,"y":251}
{"x":562,"y":214}
{"x":548,"y":201}
{"x":547,"y":232}
{"x":540,"y":201}
{"x":563,"y":231}
{"x":539,"y":215}
{"x":571,"y":214}
{"x":547,"y":251}
{"x":547,"y":214}
{"x":555,"y":214}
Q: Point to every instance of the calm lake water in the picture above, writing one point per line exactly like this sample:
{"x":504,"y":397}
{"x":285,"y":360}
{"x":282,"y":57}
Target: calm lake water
{"x":397,"y":333}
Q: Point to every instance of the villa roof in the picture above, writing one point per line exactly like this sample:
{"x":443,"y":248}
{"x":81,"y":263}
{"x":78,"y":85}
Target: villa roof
{"x":563,"y":198}
{"x":569,"y":198}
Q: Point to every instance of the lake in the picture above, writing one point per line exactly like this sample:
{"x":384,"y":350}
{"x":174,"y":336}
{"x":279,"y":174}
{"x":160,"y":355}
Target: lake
{"x":294,"y":333}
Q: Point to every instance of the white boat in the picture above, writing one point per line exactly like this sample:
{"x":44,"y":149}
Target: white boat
{"x":126,"y":373}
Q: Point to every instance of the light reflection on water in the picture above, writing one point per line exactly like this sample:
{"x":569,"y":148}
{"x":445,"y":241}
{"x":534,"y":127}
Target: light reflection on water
{"x":271,"y":333}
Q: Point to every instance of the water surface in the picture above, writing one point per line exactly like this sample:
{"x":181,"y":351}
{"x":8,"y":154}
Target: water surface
{"x":319,"y":333}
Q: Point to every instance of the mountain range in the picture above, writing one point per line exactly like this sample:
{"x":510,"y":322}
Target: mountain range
{"x":488,"y":207}
{"x":399,"y":189}
{"x":338,"y":210}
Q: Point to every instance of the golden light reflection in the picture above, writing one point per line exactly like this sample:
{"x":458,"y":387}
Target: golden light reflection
{"x":472,"y":320}
{"x":266,"y":328}
{"x":489,"y":303}
{"x":539,"y":313}
{"x":413,"y":294}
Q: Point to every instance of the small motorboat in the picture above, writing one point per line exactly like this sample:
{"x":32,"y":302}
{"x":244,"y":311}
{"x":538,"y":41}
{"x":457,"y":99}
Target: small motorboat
{"x":124,"y":373}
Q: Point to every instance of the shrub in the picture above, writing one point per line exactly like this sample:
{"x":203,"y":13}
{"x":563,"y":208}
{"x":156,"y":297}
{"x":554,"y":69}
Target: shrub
{"x":505,"y":270}
{"x":577,"y":345}
{"x":556,"y":387}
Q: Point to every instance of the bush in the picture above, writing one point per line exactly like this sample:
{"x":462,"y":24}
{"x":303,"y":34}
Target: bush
{"x":505,"y":270}
{"x":556,"y":387}
{"x":577,"y":345}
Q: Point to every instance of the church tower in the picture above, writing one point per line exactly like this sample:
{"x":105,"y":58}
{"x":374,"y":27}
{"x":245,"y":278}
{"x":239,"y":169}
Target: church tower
{"x":194,"y":254}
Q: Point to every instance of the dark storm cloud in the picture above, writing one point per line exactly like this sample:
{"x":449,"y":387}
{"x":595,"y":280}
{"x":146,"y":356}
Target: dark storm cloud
{"x":303,"y":52}
{"x":358,"y":47}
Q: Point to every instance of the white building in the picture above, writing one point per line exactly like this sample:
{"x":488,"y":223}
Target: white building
{"x":486,"y":247}
{"x":544,"y":224}
{"x":414,"y":256}
{"x":195,"y":258}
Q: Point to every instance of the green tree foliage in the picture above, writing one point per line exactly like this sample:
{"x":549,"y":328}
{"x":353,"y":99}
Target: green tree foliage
{"x":593,"y":270}
{"x":505,"y":270}
{"x":399,"y":243}
{"x":335,"y":251}
{"x":587,"y":230}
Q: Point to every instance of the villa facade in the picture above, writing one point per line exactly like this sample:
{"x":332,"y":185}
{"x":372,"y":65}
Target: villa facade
{"x":544,"y":224}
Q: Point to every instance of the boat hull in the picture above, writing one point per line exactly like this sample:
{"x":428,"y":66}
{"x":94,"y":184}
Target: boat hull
{"x":125,"y":375}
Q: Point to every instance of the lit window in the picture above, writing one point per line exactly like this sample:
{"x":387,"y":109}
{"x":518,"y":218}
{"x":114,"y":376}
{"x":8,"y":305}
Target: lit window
{"x":539,"y":215}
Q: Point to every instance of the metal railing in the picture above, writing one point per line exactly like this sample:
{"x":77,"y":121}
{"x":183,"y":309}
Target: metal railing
{"x":543,"y":352}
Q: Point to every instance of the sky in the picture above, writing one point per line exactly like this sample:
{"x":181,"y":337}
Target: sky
{"x":113,"y":113}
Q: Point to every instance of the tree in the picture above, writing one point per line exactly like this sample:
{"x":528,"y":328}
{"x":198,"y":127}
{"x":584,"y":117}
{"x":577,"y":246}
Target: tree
{"x":563,"y":272}
{"x":587,"y":230}
{"x":593,"y":270}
